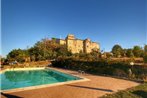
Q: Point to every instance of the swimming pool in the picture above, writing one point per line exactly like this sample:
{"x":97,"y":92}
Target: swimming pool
{"x":26,"y":78}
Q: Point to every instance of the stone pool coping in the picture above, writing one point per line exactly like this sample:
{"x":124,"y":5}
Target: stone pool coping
{"x":83,"y":79}
{"x":15,"y":69}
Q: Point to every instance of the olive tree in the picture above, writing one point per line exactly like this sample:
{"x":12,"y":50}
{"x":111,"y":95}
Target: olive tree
{"x":117,"y":50}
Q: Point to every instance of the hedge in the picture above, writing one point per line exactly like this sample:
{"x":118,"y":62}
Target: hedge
{"x":103,"y":67}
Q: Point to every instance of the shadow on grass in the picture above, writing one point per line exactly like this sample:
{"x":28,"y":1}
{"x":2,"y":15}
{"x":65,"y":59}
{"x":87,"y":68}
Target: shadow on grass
{"x":92,"y":88}
{"x":142,"y":94}
{"x":10,"y":96}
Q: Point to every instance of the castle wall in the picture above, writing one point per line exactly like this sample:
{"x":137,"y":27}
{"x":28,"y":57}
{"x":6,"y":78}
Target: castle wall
{"x":62,"y":42}
{"x":90,"y":46}
{"x":77,"y":45}
{"x":87,"y":46}
{"x":95,"y":46}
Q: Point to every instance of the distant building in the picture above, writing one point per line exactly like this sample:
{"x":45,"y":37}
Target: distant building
{"x":77,"y":45}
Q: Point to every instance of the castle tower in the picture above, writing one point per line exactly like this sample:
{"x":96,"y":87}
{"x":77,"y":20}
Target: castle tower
{"x":70,"y":36}
{"x":74,"y":45}
{"x":87,"y":48}
{"x":69,"y":42}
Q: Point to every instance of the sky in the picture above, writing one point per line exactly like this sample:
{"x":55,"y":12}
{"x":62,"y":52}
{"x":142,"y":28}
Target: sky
{"x":108,"y":22}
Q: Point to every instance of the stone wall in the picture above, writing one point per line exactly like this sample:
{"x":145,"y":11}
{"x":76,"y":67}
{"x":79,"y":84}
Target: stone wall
{"x":77,"y":45}
{"x":62,"y":42}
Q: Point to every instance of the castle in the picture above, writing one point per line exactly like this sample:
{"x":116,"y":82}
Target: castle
{"x":77,"y":45}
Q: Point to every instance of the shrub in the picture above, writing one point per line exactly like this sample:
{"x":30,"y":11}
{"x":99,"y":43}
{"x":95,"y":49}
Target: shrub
{"x":102,"y":67}
{"x":145,"y":58}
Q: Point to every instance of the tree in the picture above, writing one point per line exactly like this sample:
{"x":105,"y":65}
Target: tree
{"x":123,"y":53}
{"x":4,"y":61}
{"x":129,"y":53}
{"x":117,"y":50}
{"x":47,"y":49}
{"x":137,"y":51}
{"x":95,"y":53}
{"x":145,"y":54}
{"x":145,"y":58}
{"x":18,"y":55}
{"x":34,"y":53}
{"x":62,"y":51}
{"x":145,"y":48}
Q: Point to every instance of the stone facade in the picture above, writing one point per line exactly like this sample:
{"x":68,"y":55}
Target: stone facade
{"x":77,"y":45}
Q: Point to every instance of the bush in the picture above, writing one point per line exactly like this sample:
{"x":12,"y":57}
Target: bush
{"x":135,"y":92}
{"x":145,"y":58}
{"x":103,"y":67}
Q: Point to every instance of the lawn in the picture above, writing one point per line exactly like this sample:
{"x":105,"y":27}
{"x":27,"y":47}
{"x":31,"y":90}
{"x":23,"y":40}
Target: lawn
{"x":136,"y":92}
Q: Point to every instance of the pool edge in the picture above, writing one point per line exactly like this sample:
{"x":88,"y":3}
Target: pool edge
{"x":83,"y":79}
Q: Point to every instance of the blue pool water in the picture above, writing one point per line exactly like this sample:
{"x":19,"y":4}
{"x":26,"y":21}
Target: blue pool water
{"x":19,"y":79}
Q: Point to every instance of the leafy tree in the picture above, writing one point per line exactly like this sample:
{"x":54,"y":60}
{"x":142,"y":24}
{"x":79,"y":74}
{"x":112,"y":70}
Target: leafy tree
{"x":4,"y":61}
{"x":145,"y":58}
{"x":95,"y":53}
{"x":47,"y":49}
{"x":34,"y":52}
{"x":123,"y":53}
{"x":145,"y":54}
{"x":117,"y":50}
{"x":145,"y":48}
{"x":129,"y":53}
{"x":62,"y":51}
{"x":18,"y":55}
{"x":137,"y":51}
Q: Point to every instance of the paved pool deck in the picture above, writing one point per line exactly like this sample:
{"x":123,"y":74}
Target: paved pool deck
{"x":96,"y":87}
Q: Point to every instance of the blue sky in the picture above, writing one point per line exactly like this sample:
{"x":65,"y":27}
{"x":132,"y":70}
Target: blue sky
{"x":109,"y":22}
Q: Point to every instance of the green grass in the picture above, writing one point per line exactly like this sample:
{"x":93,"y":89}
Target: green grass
{"x":136,"y":92}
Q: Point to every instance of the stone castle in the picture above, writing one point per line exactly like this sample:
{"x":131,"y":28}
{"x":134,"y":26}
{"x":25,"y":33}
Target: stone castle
{"x":77,"y":45}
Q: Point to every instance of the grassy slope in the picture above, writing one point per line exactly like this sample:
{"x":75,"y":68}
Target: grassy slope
{"x":136,"y":92}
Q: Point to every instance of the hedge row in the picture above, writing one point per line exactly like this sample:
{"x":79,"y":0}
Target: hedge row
{"x":103,"y":68}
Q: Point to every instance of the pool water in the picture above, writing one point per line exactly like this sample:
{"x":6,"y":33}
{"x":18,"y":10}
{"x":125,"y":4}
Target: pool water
{"x":19,"y":79}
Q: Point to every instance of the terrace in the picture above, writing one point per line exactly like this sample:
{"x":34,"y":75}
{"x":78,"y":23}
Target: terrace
{"x":96,"y":87}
